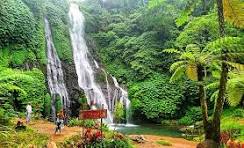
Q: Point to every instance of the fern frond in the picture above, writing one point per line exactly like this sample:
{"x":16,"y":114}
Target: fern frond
{"x":171,"y":51}
{"x":211,"y":86}
{"x":193,"y":48}
{"x":178,"y":73}
{"x":233,"y":12}
{"x":237,"y":66}
{"x":187,"y":56}
{"x":226,"y":44}
{"x":214,"y":96}
{"x":175,"y":65}
{"x":234,"y":96}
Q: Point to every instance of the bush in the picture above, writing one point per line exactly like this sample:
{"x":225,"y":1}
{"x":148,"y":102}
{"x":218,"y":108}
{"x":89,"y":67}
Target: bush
{"x":186,"y":121}
{"x":156,"y":98}
{"x":82,"y":123}
{"x":192,"y":115}
{"x":26,"y":138}
{"x":164,"y":143}
{"x":238,"y":113}
{"x":4,"y":119}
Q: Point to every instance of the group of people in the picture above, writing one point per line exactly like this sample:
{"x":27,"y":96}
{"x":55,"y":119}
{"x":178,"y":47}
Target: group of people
{"x":61,"y":119}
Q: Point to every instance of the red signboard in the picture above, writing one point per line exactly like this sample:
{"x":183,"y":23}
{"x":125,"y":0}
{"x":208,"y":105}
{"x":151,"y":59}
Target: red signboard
{"x":93,"y":114}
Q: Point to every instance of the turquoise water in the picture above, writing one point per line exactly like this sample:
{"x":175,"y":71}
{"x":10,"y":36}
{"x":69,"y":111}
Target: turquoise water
{"x":149,"y":129}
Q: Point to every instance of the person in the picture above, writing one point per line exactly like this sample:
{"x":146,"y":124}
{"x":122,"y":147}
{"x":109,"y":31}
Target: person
{"x":28,"y":113}
{"x":58,"y":124}
{"x":61,"y":116}
{"x":65,"y":117}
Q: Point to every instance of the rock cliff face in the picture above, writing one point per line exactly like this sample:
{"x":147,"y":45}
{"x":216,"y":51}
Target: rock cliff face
{"x":74,"y":91}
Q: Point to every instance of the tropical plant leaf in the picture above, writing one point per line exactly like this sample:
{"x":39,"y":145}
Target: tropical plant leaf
{"x":175,"y":65}
{"x":171,"y":50}
{"x":233,"y":12}
{"x":178,"y":73}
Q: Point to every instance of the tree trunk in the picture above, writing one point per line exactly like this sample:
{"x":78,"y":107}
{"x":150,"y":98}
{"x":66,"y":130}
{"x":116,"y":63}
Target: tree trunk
{"x":223,"y":81}
{"x":202,"y":94}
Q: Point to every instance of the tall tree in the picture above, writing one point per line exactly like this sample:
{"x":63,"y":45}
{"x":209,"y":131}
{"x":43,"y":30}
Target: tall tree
{"x":215,"y":134}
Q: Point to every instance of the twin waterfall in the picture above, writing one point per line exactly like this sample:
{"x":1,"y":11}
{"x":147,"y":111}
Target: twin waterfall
{"x":85,"y":68}
{"x":55,"y":75}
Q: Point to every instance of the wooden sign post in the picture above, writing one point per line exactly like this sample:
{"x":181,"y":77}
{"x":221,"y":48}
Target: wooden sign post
{"x":94,"y":114}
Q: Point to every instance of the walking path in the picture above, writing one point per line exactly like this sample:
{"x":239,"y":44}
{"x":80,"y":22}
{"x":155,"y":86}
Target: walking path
{"x":48,"y":128}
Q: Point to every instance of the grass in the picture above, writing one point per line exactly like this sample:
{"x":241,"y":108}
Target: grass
{"x":164,"y":143}
{"x":26,"y":138}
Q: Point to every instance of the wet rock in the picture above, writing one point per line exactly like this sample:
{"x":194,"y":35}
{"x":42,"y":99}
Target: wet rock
{"x":138,"y":138}
{"x":74,"y":91}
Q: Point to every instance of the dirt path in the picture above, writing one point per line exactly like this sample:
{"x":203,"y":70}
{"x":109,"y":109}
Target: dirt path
{"x":48,"y":128}
{"x":151,"y":142}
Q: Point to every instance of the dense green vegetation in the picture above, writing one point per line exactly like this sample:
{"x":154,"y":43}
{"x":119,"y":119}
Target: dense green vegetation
{"x":130,"y":45}
{"x":174,"y":56}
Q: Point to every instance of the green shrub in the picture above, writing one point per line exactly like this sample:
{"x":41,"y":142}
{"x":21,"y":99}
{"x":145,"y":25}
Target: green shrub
{"x":156,"y":98}
{"x":186,"y":121}
{"x":82,"y":123}
{"x":192,"y":115}
{"x":4,"y":118}
{"x":21,"y":87}
{"x":238,"y":113}
{"x":24,"y":138}
{"x":164,"y":143}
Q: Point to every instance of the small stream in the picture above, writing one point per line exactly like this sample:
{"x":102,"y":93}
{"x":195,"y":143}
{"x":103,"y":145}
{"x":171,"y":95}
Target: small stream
{"x":147,"y":129}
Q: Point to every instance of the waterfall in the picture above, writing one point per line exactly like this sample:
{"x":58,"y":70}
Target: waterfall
{"x":83,"y":65}
{"x":85,"y":72}
{"x":96,"y":64}
{"x":123,"y":97}
{"x":55,"y":74}
{"x":108,"y":91}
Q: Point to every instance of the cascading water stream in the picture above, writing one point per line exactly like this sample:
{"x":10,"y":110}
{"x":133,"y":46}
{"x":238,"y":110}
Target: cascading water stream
{"x":83,"y":66}
{"x":108,"y":90}
{"x":85,"y":72}
{"x":55,"y":74}
{"x":123,"y":97}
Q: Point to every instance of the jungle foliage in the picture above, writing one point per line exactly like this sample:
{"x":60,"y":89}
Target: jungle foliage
{"x":131,"y":46}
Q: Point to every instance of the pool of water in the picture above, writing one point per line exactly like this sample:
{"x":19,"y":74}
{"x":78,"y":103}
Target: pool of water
{"x":147,"y":129}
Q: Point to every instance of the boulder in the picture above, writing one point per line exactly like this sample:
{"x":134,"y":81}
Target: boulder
{"x":138,"y":138}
